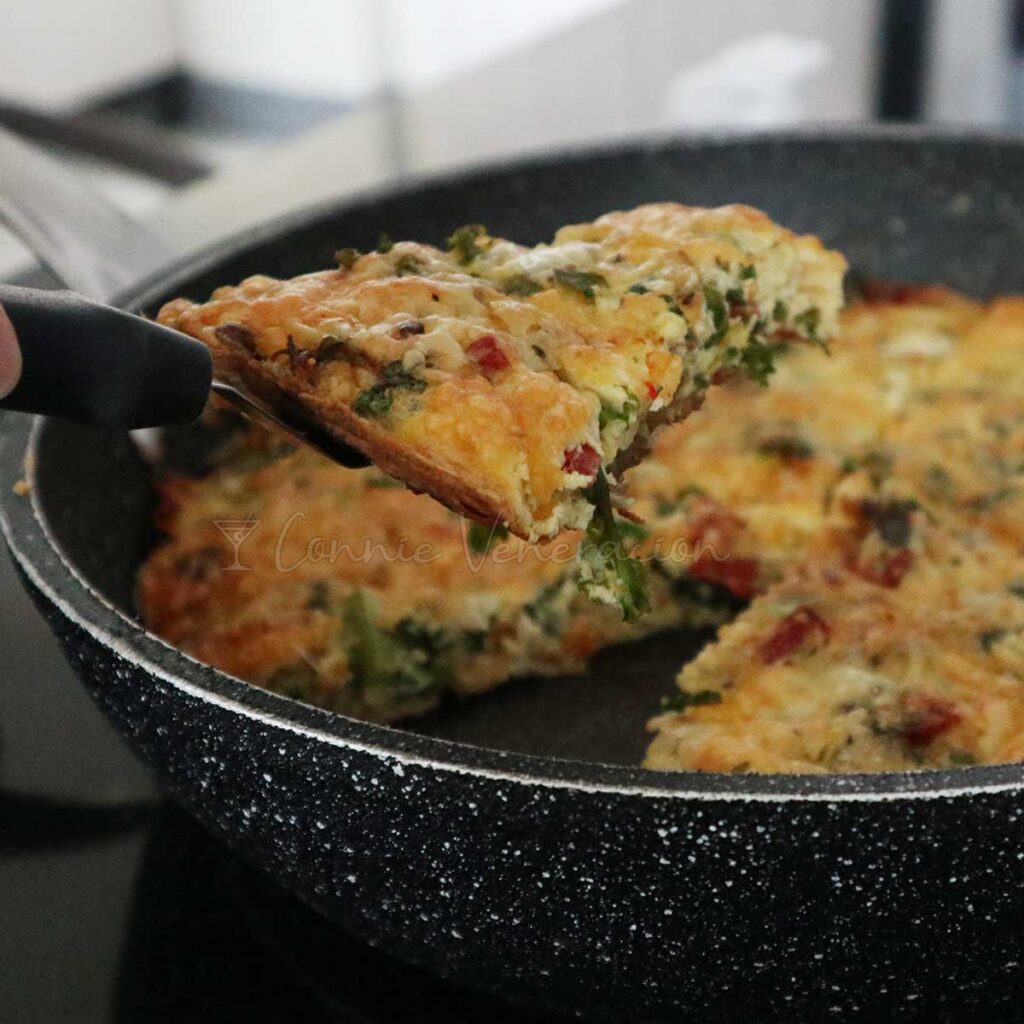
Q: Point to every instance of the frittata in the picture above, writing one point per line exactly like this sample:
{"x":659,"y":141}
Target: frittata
{"x":355,"y":594}
{"x":515,"y":384}
{"x":859,"y":522}
{"x":892,"y":638}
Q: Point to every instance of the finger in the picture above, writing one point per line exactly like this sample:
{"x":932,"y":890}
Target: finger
{"x":10,"y":356}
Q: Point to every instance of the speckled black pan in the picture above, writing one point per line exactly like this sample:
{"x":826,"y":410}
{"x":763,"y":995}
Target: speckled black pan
{"x":592,"y":887}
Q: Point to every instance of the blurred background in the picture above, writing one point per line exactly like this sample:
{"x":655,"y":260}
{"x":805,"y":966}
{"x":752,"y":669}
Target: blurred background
{"x":258,"y":107}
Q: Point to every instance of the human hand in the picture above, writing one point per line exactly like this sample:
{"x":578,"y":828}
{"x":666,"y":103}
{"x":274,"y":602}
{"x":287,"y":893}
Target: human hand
{"x":10,"y":356}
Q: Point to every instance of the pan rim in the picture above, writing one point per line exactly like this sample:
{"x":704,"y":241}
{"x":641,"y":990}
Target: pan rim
{"x":51,"y":572}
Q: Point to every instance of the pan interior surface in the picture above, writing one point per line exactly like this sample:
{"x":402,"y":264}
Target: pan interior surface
{"x":900,"y":207}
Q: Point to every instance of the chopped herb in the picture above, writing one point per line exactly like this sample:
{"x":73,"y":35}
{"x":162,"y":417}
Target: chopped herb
{"x":346,"y":258}
{"x":408,"y":266}
{"x":787,"y":447}
{"x":293,"y":681}
{"x":963,"y":758}
{"x":683,"y":700}
{"x":481,"y":537}
{"x":521,"y":285}
{"x":665,"y":507}
{"x":607,"y":573}
{"x":582,"y":281}
{"x":377,"y":399}
{"x":398,"y":376}
{"x":939,"y":483}
{"x":625,"y":413}
{"x":384,"y":243}
{"x":700,"y":382}
{"x":462,"y":242}
{"x":892,"y":519}
{"x":715,"y":598}
{"x":544,"y":610}
{"x":639,"y":289}
{"x":1016,"y":587}
{"x":475,"y":640}
{"x":390,"y":666}
{"x":779,"y":311}
{"x":810,"y":321}
{"x":691,"y":490}
{"x":633,"y":532}
{"x":668,"y":506}
{"x":989,"y":638}
{"x":878,"y":465}
{"x":983,"y":502}
{"x":383,"y":483}
{"x":735,"y":296}
{"x":715,"y":305}
{"x":416,"y":634}
{"x":748,"y":272}
{"x":758,"y":360}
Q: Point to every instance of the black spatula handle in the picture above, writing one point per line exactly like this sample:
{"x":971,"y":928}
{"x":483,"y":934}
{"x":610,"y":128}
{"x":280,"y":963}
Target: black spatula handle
{"x":84,"y":361}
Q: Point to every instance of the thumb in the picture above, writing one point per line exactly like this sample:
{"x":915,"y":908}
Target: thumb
{"x":10,"y":356}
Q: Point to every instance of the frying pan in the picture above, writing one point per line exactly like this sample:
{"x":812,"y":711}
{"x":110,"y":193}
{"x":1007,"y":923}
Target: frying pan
{"x":510,"y":843}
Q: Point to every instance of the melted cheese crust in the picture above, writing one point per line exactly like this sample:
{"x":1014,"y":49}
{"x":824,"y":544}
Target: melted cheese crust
{"x":893,"y":638}
{"x":869,"y":505}
{"x":469,"y":609}
{"x":475,"y":374}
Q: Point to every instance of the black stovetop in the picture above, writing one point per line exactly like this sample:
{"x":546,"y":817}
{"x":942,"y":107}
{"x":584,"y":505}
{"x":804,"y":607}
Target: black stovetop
{"x":116,"y":906}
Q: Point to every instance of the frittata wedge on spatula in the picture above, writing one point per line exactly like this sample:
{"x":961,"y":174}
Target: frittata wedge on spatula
{"x":515,"y":384}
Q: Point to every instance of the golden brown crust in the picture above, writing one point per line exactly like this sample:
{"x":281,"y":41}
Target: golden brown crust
{"x":891,"y":637}
{"x":397,"y":460}
{"x":881,"y":490}
{"x":500,"y":380}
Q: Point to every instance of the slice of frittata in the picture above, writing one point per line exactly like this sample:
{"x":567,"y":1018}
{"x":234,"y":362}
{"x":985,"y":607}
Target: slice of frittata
{"x":515,"y":384}
{"x":354,"y":594}
{"x":894,"y":639}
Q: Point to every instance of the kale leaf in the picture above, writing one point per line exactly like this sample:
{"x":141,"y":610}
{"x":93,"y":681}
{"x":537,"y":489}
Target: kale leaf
{"x":582,"y":281}
{"x":462,"y":242}
{"x":392,"y":666}
{"x":376,"y":400}
{"x":607,"y":573}
{"x":684,"y":700}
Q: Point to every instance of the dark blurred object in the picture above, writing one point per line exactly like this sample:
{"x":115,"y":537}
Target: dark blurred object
{"x":128,"y":145}
{"x":164,"y":129}
{"x":903,"y":41}
{"x":30,"y":823}
{"x":184,"y":101}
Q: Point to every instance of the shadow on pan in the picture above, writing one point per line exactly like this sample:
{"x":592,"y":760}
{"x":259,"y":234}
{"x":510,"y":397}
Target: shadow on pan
{"x":590,"y":888}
